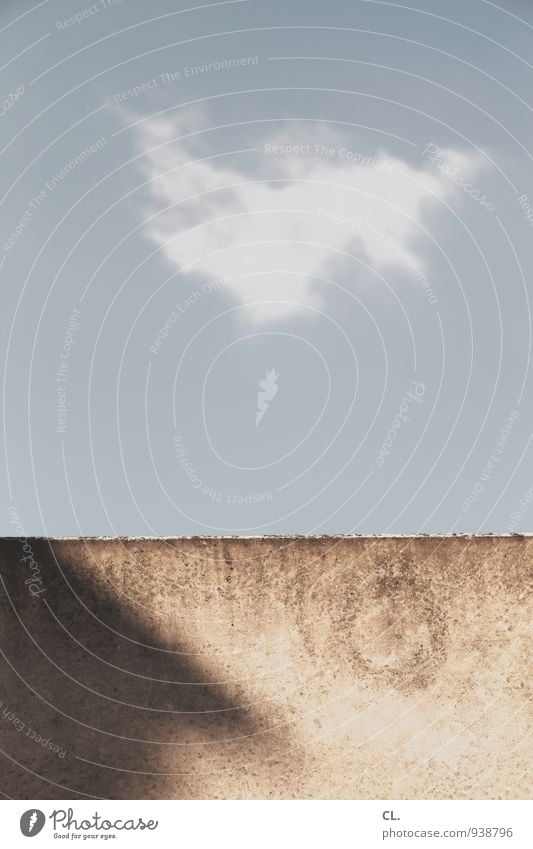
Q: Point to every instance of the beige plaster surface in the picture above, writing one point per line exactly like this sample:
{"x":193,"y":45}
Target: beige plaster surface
{"x":277,"y":667}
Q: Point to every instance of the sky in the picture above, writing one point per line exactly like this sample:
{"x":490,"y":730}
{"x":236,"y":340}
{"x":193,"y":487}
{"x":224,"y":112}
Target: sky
{"x":265,"y":268}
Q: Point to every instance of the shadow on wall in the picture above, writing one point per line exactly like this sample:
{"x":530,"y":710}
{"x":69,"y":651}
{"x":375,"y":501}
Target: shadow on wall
{"x":91,"y":707}
{"x":285,"y":667}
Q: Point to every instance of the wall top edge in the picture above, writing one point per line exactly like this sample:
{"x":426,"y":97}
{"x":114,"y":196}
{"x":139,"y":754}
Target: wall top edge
{"x":269,"y":537}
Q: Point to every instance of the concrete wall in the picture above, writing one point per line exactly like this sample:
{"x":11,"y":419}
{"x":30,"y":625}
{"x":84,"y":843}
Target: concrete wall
{"x":274,"y":667}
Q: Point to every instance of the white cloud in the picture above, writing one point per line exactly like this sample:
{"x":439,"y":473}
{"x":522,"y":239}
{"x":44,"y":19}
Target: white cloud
{"x":222,"y":221}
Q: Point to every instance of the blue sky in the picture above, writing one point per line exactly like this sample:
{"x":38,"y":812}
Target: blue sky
{"x":321,"y":213}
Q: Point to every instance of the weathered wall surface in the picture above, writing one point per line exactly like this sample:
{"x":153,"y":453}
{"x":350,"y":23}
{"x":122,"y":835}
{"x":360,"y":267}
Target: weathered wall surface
{"x":276,"y":667}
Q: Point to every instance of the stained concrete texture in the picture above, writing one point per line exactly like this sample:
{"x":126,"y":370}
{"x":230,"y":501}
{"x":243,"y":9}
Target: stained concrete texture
{"x":278,"y":667}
